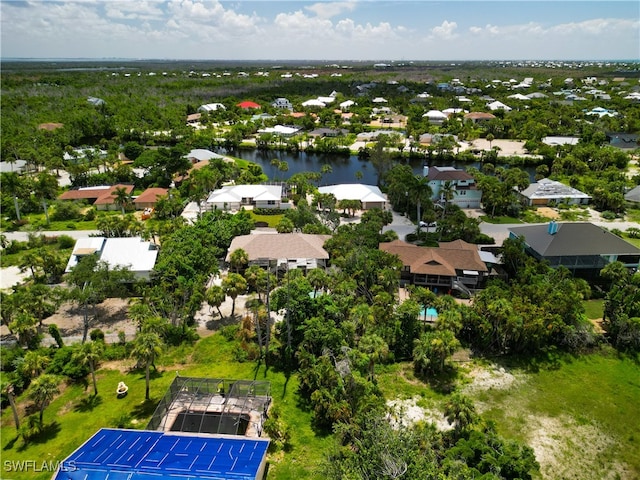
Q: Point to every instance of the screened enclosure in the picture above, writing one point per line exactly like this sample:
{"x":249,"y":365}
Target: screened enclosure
{"x":213,"y":405}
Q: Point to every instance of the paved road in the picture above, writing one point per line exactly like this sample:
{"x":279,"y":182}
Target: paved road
{"x":24,"y":236}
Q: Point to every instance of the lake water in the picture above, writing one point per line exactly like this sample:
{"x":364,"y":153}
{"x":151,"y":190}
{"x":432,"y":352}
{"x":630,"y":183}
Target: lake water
{"x":344,"y":167}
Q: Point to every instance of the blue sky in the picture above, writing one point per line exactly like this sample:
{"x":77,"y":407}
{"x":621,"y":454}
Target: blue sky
{"x":296,"y":30}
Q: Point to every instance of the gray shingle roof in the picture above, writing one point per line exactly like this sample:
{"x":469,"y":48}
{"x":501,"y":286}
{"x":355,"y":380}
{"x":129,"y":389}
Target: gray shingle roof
{"x":574,"y":238}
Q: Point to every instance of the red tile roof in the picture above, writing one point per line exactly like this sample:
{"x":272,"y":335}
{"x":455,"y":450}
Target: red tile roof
{"x":100,"y":195}
{"x":443,"y":260}
{"x":248,"y":104}
{"x":150,"y":195}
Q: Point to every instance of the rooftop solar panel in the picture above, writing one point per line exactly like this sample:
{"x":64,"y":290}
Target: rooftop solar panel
{"x":113,"y":454}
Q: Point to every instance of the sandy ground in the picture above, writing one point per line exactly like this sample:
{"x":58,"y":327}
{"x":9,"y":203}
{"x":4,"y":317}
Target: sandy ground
{"x":112,"y":317}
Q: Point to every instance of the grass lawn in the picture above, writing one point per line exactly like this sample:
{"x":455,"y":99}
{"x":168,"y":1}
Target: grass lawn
{"x":271,"y":220}
{"x":594,"y":308}
{"x":75,"y":414}
{"x":500,"y":220}
{"x":581,"y":416}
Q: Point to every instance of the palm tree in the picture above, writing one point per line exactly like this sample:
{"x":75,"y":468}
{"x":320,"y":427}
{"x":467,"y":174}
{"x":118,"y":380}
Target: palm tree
{"x":9,"y":390}
{"x":46,"y":188}
{"x":34,"y":363}
{"x":122,"y":198}
{"x":215,"y":297}
{"x":318,"y":279}
{"x":146,"y":346}
{"x":42,"y":391}
{"x":460,"y":412}
{"x":447,"y":192}
{"x":90,"y":354}
{"x":238,"y":259}
{"x":418,"y":191}
{"x":233,"y":285}
{"x":375,"y":348}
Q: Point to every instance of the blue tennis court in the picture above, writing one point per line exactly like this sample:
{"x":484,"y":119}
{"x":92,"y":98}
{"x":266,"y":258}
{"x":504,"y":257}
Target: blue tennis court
{"x":113,"y":454}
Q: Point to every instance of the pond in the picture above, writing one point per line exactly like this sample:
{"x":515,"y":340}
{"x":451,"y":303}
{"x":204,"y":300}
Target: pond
{"x":344,"y":167}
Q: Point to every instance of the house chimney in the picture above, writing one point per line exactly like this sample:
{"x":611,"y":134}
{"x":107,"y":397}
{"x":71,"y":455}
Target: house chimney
{"x":425,"y":171}
{"x":552,"y":229}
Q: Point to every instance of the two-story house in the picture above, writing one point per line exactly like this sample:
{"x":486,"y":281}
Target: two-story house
{"x":464,"y":191}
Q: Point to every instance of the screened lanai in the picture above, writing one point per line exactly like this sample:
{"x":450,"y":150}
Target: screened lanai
{"x":213,"y":405}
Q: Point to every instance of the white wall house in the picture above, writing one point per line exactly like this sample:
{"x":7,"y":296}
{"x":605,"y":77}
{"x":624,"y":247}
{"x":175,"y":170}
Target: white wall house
{"x":131,"y":252}
{"x":234,"y":197}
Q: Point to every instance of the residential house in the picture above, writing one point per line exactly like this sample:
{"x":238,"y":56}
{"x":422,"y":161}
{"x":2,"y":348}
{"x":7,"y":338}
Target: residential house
{"x":450,"y":266}
{"x":633,"y":195}
{"x":347,"y":104}
{"x":282,"y":103}
{"x":149,"y":198}
{"x":497,"y":105}
{"x":18,"y":166}
{"x":558,"y":140}
{"x":582,"y":247}
{"x":194,"y":118}
{"x":369,"y":195}
{"x":327,"y":132}
{"x":95,"y":101}
{"x":235,"y":197}
{"x":247,"y":104}
{"x":134,"y":253}
{"x":435,"y":117}
{"x":102,"y":197}
{"x":479,"y":117}
{"x":211,"y":107}
{"x":283,"y":250}
{"x":465,"y":190}
{"x":624,"y":141}
{"x":545,"y":192}
{"x":199,"y":154}
{"x":281,"y":130}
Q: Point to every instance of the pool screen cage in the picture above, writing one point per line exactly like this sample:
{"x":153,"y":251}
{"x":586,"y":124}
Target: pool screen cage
{"x":213,"y":405}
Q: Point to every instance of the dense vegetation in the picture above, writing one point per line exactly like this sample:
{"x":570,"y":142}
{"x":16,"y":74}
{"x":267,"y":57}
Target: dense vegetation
{"x":344,"y":331}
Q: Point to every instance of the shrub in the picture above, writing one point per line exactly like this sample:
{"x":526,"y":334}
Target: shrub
{"x":633,"y":232}
{"x":66,"y":211}
{"x":90,"y":215}
{"x":97,"y":335}
{"x":62,"y":363}
{"x":16,"y":246}
{"x":607,"y":215}
{"x":65,"y":241}
{"x":277,"y":430}
{"x":54,"y":331}
{"x":230,"y":332}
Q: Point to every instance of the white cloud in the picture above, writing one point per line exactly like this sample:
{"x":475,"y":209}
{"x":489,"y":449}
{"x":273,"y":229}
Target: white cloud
{"x":331,"y":9}
{"x":445,"y":31}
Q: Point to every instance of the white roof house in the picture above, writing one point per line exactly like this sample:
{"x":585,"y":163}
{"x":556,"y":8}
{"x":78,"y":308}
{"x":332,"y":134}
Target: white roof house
{"x":314,"y":102}
{"x":370,"y":195}
{"x":435,"y":116}
{"x":131,"y":252}
{"x":546,"y":191}
{"x":497,"y":105}
{"x":211,"y":107}
{"x":346,"y":104}
{"x":282,"y":130}
{"x":200,"y":154}
{"x":234,"y":197}
{"x":519,"y":96}
{"x":379,"y":100}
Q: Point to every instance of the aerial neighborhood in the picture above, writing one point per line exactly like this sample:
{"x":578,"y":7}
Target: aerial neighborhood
{"x":213,"y":270}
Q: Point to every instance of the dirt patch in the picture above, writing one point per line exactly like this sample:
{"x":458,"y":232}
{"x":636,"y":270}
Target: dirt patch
{"x":491,"y":379}
{"x":110,"y":316}
{"x":407,"y":412}
{"x":548,"y":213}
{"x":560,"y":444}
